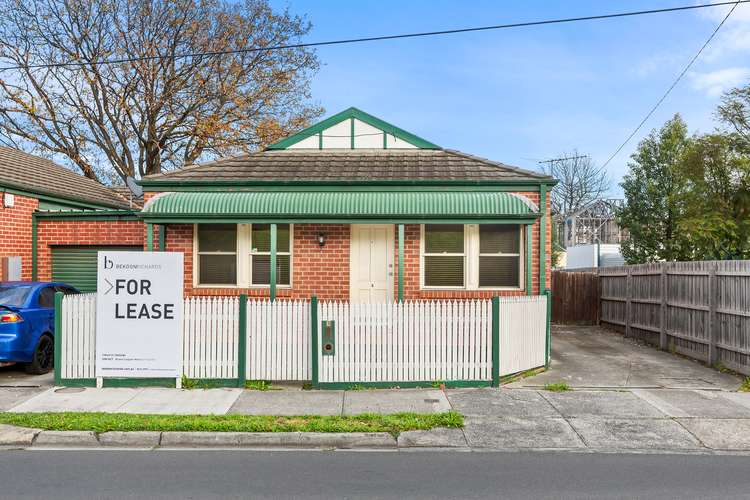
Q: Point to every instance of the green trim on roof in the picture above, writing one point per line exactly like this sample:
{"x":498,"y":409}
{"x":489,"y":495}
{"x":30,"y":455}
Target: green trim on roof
{"x":350,"y":114}
{"x":339,"y":206}
{"x":399,"y":185}
{"x":80,"y":215}
{"x":8,"y":187}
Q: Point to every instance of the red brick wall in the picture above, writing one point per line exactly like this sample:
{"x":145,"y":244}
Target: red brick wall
{"x":16,"y":231}
{"x":315,"y":271}
{"x":67,"y":232}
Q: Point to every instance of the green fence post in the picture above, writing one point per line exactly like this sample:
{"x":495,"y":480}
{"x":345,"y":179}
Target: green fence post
{"x":242,"y":343}
{"x":495,"y":341}
{"x":58,"y":338}
{"x":314,"y":338}
{"x":548,"y":339}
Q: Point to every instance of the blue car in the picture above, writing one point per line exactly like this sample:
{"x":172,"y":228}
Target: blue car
{"x":27,"y":323}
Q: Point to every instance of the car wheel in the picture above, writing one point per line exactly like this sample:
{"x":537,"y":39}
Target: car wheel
{"x":44,"y":356}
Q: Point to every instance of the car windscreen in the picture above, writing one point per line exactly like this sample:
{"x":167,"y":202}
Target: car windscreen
{"x":14,"y":296}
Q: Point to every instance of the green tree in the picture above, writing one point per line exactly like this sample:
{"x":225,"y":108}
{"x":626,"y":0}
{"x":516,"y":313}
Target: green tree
{"x":715,"y":220}
{"x":652,"y":194}
{"x":734,"y":113}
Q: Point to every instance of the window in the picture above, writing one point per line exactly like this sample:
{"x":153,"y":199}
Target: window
{"x":14,"y":295}
{"x":260,"y":254}
{"x":47,"y":297}
{"x":472,"y":256}
{"x":499,"y":255}
{"x":444,"y":255}
{"x":217,"y":254}
{"x":240,"y":255}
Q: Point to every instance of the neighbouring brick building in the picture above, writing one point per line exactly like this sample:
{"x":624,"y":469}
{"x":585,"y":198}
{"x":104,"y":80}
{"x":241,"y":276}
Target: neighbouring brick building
{"x":33,"y":191}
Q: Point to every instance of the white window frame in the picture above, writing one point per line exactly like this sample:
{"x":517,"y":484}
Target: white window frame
{"x":197,"y":261}
{"x":423,"y":254}
{"x":518,"y":254}
{"x":243,"y":255}
{"x":471,"y":261}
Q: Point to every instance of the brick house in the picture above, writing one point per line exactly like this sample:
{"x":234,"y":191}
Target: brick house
{"x":35,"y":193}
{"x":353,"y":208}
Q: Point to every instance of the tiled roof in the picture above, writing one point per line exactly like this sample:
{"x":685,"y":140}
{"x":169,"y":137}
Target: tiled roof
{"x":41,"y":176}
{"x":351,"y":165}
{"x":124,"y":192}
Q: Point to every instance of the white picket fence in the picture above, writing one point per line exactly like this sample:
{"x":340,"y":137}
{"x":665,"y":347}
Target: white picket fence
{"x":407,"y":342}
{"x":209,"y":341}
{"x":278,"y":340}
{"x":210,"y":337}
{"x":388,"y":342}
{"x":429,"y":340}
{"x":523,"y":333}
{"x":78,"y":337}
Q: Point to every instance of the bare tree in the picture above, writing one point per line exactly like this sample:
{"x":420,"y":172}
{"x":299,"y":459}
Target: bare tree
{"x":149,"y":111}
{"x":734,"y":112}
{"x":580,"y":182}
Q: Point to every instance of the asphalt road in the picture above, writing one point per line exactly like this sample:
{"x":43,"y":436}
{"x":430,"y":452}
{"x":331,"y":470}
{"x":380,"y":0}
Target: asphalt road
{"x":310,"y":474}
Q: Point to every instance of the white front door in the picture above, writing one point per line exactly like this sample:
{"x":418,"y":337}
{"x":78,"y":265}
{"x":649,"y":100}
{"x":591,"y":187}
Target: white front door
{"x":371,"y":263}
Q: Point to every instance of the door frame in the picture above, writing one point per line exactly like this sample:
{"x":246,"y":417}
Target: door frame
{"x":353,"y":272}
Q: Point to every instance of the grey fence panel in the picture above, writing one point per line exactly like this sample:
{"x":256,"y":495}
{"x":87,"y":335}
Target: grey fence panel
{"x":698,"y":309}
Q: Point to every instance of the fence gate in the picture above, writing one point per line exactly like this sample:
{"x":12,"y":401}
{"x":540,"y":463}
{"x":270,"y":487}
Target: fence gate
{"x":278,"y":340}
{"x":575,"y":298}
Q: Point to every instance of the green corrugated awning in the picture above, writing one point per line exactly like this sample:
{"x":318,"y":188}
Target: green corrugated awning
{"x":339,"y":206}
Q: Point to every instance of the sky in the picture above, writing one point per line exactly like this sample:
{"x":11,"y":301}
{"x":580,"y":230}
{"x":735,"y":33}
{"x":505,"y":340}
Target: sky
{"x":523,"y":95}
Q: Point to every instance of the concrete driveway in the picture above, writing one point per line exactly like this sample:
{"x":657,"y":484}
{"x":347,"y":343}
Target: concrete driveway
{"x":16,"y":376}
{"x":592,"y":357}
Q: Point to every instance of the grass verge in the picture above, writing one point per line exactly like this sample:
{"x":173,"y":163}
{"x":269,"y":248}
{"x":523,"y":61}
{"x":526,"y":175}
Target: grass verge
{"x":745,"y":387}
{"x":557,"y":387}
{"x":103,"y":422}
{"x":258,"y":385}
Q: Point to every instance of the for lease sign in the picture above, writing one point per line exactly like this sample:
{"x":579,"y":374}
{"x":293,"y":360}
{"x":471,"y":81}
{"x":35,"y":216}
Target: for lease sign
{"x":138,"y":314}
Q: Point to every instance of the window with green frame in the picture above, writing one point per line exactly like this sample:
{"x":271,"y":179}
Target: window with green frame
{"x":260,"y":254}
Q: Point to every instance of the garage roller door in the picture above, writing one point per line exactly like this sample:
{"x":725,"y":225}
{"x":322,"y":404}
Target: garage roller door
{"x":77,"y":265}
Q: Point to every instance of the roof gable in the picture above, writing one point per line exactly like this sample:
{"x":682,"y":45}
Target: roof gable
{"x":353,"y":129}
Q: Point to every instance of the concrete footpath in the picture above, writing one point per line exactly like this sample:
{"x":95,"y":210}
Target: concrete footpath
{"x":630,"y":420}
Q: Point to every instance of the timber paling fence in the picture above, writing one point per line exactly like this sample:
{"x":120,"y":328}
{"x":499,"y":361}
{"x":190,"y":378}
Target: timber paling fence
{"x":697,"y":309}
{"x":228,"y":340}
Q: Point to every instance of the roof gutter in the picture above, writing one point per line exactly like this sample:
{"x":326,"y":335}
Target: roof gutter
{"x":156,"y":185}
{"x":13,"y":188}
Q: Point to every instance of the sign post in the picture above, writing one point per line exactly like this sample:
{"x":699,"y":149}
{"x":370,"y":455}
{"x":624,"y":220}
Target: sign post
{"x":139,"y":314}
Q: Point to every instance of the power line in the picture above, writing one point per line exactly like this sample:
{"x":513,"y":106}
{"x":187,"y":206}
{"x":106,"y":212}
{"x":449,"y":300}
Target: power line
{"x":375,"y":38}
{"x":674,"y":84}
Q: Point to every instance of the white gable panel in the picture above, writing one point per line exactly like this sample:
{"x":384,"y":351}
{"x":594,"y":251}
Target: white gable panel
{"x":396,"y":143}
{"x":338,"y":136}
{"x":307,"y":143}
{"x":366,"y":136}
